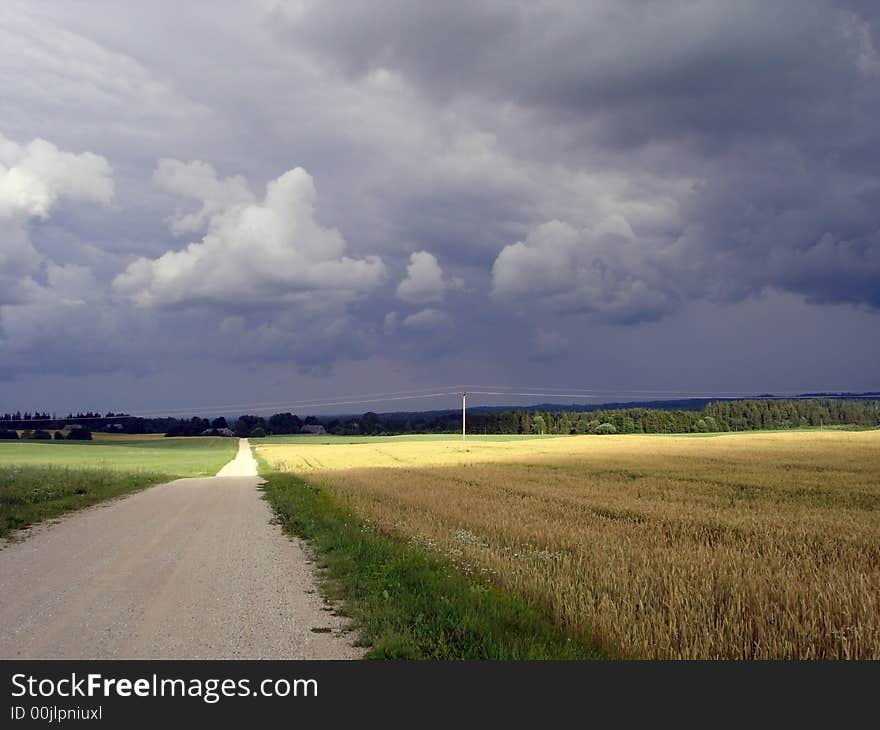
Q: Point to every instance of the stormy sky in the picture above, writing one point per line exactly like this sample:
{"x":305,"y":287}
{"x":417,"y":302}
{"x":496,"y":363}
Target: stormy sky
{"x":207,"y":205}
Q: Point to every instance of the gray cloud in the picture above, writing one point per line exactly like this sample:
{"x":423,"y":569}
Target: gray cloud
{"x":573,"y":171}
{"x":754,"y":115}
{"x":34,"y":177}
{"x":428,"y":319}
{"x":686,"y":66}
{"x":603,"y":271}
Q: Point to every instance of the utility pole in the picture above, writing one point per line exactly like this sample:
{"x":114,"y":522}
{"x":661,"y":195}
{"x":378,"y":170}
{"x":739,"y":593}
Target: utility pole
{"x":463,"y":416}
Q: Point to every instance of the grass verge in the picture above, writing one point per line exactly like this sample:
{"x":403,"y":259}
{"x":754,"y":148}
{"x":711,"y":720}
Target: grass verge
{"x":30,"y":494}
{"x":405,"y":602}
{"x":44,"y":479}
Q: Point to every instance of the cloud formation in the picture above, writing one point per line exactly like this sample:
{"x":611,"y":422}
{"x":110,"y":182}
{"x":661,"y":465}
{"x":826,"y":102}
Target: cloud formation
{"x":704,"y":172}
{"x":604,"y":271}
{"x":425,"y":282}
{"x":272,"y":250}
{"x":748,"y":121}
{"x":199,"y":181}
{"x":33,"y":178}
{"x":427,"y":320}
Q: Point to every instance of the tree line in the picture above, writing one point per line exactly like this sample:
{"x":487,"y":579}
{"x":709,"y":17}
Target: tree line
{"x":718,"y":416}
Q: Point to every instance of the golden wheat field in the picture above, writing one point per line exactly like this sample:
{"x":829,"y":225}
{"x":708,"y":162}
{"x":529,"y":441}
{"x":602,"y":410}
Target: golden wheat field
{"x":760,"y":545}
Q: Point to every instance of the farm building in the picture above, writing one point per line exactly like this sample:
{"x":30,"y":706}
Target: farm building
{"x":217,"y":432}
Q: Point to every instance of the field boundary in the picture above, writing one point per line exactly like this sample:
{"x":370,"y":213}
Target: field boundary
{"x":404,"y":602}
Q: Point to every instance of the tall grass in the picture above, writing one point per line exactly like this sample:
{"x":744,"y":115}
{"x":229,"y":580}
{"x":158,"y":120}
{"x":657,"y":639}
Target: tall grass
{"x":39,"y":480}
{"x":748,"y":546}
{"x":29,"y":494}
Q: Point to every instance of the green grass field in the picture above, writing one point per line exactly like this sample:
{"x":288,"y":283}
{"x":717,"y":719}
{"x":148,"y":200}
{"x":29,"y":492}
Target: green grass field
{"x":43,"y":479}
{"x":179,"y":456}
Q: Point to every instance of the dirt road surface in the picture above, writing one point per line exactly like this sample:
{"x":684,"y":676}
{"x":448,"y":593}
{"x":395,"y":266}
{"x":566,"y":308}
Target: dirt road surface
{"x":192,"y":569}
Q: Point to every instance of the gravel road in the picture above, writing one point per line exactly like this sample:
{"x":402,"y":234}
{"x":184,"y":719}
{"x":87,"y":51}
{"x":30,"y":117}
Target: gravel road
{"x":192,"y":569}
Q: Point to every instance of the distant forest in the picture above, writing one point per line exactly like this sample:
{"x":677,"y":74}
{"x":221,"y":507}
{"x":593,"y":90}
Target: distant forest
{"x":719,"y":416}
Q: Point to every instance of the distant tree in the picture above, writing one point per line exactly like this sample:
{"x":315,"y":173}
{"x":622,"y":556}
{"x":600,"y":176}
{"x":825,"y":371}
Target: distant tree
{"x":79,"y":434}
{"x":605,"y":428}
{"x":41,"y":435}
{"x":219,"y":423}
{"x":539,"y":425}
{"x":59,"y":436}
{"x":245,"y":424}
{"x":258,"y":433}
{"x":284,"y":423}
{"x":8,"y":434}
{"x":369,"y":423}
{"x":506,"y":423}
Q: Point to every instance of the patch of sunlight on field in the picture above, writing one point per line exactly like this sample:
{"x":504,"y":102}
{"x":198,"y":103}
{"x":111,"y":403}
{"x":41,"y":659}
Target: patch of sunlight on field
{"x":452,"y":451}
{"x":304,"y":456}
{"x":758,"y":545}
{"x":196,"y":456}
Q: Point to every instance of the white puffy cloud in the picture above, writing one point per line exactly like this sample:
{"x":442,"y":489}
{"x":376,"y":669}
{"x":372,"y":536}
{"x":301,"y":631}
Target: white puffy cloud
{"x":34,"y":176}
{"x":425,"y":282}
{"x":428,"y":319}
{"x":272,"y":250}
{"x":199,"y":180}
{"x":603,"y":270}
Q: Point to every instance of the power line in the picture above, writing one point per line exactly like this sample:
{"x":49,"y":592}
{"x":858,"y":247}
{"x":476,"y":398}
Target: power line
{"x":324,"y":404}
{"x":446,"y":391}
{"x":344,"y":399}
{"x":403,"y":395}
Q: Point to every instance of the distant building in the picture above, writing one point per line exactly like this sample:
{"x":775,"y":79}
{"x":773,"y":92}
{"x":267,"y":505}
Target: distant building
{"x":218,"y":432}
{"x":314,"y":429}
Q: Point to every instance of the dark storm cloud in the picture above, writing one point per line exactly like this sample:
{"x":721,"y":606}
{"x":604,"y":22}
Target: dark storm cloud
{"x":767,"y":108}
{"x":669,"y":69}
{"x":561,"y":171}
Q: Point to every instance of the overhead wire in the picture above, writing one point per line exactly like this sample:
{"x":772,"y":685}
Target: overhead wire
{"x":418,"y":394}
